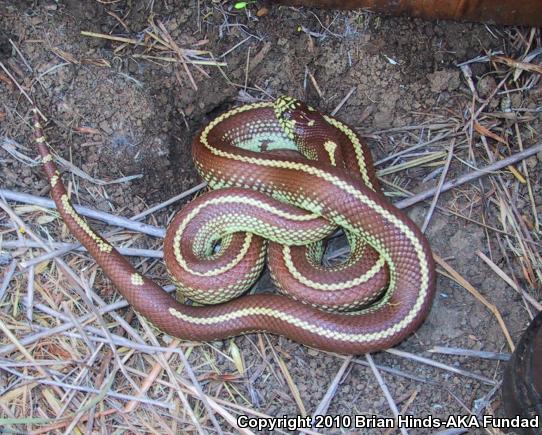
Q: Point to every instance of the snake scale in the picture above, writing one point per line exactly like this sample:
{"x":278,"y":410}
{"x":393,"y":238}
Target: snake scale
{"x":284,"y":172}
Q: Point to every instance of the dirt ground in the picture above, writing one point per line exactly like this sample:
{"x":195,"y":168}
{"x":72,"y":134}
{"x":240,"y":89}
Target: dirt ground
{"x":119,"y":109}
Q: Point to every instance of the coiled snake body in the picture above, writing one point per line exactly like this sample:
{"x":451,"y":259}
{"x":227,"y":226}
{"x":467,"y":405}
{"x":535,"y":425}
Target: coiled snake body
{"x":287,"y":173}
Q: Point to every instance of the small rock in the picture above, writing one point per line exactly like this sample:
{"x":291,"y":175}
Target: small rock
{"x":282,"y":42}
{"x":485,"y":86}
{"x":531,"y":162}
{"x":516,"y":100}
{"x":105,"y":127}
{"x":36,"y":20}
{"x":444,"y":80}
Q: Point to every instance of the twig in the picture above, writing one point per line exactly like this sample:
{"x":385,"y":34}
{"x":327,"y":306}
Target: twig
{"x":108,"y":218}
{"x":323,"y":406}
{"x":21,"y":89}
{"x":439,"y":365}
{"x":470,"y":353}
{"x":131,"y":406}
{"x":509,"y":281}
{"x":291,"y":384}
{"x":30,"y":294}
{"x":7,"y":278}
{"x":407,"y":202}
{"x":466,"y":285}
{"x":416,"y":147}
{"x":64,"y":248}
{"x":80,"y":288}
{"x":396,"y":372}
{"x":165,"y":364}
{"x":9,"y":335}
{"x":21,"y":55}
{"x":9,"y":348}
{"x":344,"y":100}
{"x":385,"y":390}
{"x":439,"y":187}
{"x":314,"y":83}
{"x":121,"y":396}
{"x":49,"y":429}
{"x":116,"y":38}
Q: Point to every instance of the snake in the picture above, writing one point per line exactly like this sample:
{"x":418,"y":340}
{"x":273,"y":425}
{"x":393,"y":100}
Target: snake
{"x":283,"y":177}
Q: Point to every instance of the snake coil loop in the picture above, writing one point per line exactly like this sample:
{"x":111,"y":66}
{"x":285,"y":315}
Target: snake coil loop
{"x":282,"y":172}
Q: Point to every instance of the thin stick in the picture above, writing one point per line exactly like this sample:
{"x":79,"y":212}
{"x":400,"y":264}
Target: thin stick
{"x":120,"y":396}
{"x":108,"y":218}
{"x":149,"y":380}
{"x":466,"y":285}
{"x":439,"y":187}
{"x":396,"y":372}
{"x":439,"y":365}
{"x":80,"y":288}
{"x":407,"y":202}
{"x":9,"y":348}
{"x":7,"y":332}
{"x":165,"y":364}
{"x":21,"y":89}
{"x":509,"y":281}
{"x":49,"y":429}
{"x":7,"y":278}
{"x":470,"y":353}
{"x":30,"y":294}
{"x":115,"y":38}
{"x":21,"y":55}
{"x":417,"y":146}
{"x":384,"y":389}
{"x":343,"y":101}
{"x":64,"y":248}
{"x":323,"y":406}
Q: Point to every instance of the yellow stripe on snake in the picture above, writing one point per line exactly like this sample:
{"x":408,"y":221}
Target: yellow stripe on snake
{"x":286,"y":176}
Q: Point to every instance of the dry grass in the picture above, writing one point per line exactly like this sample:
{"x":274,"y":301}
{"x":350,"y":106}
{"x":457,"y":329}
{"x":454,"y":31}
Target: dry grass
{"x":70,"y":362}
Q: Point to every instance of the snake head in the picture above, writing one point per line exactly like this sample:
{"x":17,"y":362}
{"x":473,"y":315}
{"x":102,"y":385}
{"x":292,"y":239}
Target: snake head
{"x":294,"y":116}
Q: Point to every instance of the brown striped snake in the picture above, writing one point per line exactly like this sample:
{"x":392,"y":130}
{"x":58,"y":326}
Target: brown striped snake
{"x":285,"y":173}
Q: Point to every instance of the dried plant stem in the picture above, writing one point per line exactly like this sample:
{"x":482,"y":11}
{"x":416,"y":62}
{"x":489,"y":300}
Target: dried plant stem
{"x":471,"y":176}
{"x":87,"y":212}
{"x":470,"y":353}
{"x":466,"y":285}
{"x":537,"y":305}
{"x":439,"y":187}
{"x":10,"y":271}
{"x":384,"y":389}
{"x":21,"y":89}
{"x":323,"y":406}
{"x":439,"y":365}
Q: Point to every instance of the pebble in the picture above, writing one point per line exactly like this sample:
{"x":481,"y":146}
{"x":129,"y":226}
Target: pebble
{"x":485,"y":86}
{"x":531,"y":162}
{"x":104,"y":126}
